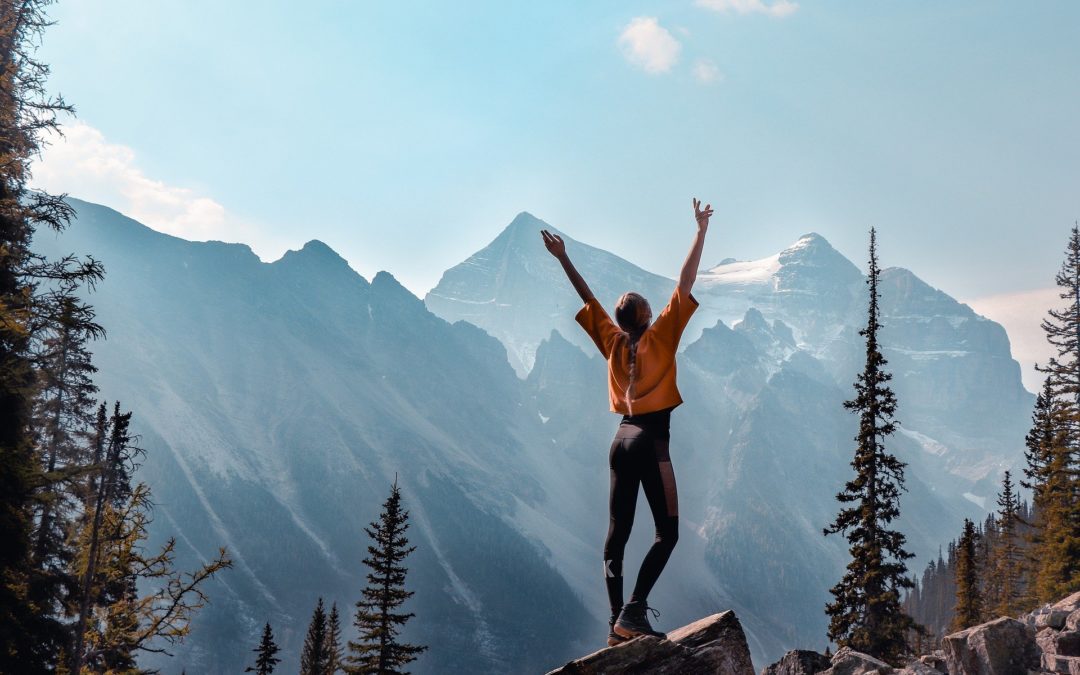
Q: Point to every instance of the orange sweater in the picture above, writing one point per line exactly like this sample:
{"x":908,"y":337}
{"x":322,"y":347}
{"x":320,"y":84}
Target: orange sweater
{"x":654,"y":386}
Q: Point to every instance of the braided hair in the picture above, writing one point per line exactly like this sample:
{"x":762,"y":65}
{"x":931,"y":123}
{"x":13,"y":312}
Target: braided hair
{"x":632,"y":313}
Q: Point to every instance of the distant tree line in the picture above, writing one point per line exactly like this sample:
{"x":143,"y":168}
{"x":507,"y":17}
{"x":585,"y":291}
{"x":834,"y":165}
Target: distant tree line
{"x":1023,"y":555}
{"x":982,"y":575}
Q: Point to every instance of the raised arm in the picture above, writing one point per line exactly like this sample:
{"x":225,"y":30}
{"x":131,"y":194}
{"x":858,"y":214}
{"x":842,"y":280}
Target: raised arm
{"x":557,"y":248}
{"x":693,"y":259}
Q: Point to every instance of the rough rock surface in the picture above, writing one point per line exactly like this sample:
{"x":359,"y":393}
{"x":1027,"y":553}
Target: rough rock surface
{"x":799,"y":662}
{"x":936,"y":660}
{"x":715,"y":645}
{"x":850,"y":662}
{"x":1003,"y":646}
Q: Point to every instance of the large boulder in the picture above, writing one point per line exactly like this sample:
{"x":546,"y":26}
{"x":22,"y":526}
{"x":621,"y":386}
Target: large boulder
{"x":850,"y":662}
{"x":1004,"y":646}
{"x":715,"y":645}
{"x":799,"y":662}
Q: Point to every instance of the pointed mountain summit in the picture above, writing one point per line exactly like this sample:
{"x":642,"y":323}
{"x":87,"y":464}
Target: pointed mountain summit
{"x":515,"y":290}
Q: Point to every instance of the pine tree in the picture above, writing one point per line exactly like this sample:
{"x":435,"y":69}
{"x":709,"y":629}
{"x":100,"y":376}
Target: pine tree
{"x":265,"y":654}
{"x":1006,"y":567}
{"x":113,"y":620}
{"x":314,"y":659}
{"x":1057,"y":506}
{"x":1054,"y":562}
{"x":30,"y":634}
{"x":1062,"y":329}
{"x":968,"y":598}
{"x":866,"y":613}
{"x":334,"y":655}
{"x":378,"y":649}
{"x":63,"y":417}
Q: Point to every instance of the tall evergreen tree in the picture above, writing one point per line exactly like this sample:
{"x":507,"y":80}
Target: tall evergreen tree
{"x":334,"y":655}
{"x":314,"y":658}
{"x":1062,"y":328}
{"x":968,"y":598}
{"x":265,"y":654}
{"x":1054,"y":560}
{"x":30,"y":634}
{"x":1006,"y":569}
{"x":1057,"y":472}
{"x":113,"y":621}
{"x":866,"y":612}
{"x":377,"y":617}
{"x":63,"y":418}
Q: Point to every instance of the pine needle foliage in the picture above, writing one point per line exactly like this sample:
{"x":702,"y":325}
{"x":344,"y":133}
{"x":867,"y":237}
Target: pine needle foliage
{"x":866,"y":613}
{"x":378,"y":617}
{"x":265,"y":654}
{"x":969,"y":609}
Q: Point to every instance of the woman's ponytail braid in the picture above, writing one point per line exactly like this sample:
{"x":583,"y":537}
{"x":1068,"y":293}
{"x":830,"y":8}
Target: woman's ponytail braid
{"x":632,"y":314}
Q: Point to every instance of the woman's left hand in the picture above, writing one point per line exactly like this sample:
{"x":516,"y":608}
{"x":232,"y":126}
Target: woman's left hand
{"x":702,"y":214}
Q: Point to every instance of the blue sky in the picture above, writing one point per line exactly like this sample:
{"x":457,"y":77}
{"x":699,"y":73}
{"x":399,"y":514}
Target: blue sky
{"x":407,"y":134}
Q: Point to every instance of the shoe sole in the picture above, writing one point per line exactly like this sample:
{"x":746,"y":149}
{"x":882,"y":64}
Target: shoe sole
{"x":626,"y":632}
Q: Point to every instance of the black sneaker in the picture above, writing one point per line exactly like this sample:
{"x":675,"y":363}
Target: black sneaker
{"x":633,"y":622}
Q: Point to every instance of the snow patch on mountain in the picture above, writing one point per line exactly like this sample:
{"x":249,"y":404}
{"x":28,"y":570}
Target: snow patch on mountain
{"x":925,"y":442}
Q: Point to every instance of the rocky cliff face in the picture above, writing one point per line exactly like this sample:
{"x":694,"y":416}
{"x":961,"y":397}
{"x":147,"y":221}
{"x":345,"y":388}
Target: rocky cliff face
{"x":1044,"y":641}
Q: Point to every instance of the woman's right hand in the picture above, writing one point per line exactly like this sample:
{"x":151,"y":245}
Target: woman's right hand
{"x":554,"y":243}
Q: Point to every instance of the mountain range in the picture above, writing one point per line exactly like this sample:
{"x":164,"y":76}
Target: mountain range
{"x":278,"y":401}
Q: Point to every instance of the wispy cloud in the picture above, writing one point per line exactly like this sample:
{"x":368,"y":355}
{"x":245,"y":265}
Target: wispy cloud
{"x":86,"y":165}
{"x":706,"y":71}
{"x":777,"y":8}
{"x":648,"y":45}
{"x":1021,"y":314}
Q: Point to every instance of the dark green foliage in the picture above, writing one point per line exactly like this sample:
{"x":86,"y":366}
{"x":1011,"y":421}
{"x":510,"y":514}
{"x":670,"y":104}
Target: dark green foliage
{"x":314,"y":659}
{"x":377,"y":617}
{"x":1052,"y":446}
{"x":933,"y":601}
{"x":866,"y":613}
{"x":1005,"y":582}
{"x":968,"y":596}
{"x":1051,"y":476}
{"x":31,"y":287}
{"x":265,"y":654}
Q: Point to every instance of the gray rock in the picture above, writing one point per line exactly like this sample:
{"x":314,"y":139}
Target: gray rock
{"x":850,"y":662}
{"x":918,"y":667}
{"x":1069,"y":604}
{"x":1073,"y":621}
{"x":1066,"y":665}
{"x":715,"y":645}
{"x":799,"y":662}
{"x":1001,"y":647}
{"x":1052,"y":618}
{"x":936,"y":660}
{"x":1061,"y":643}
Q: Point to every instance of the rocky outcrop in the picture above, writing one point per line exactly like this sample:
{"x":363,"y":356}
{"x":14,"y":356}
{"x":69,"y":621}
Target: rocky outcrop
{"x":714,"y":645}
{"x":1043,"y":642}
{"x":799,"y":662}
{"x":1003,"y":646}
{"x":1057,"y":635}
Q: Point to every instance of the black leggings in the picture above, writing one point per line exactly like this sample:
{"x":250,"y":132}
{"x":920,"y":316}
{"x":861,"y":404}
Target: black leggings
{"x":639,"y":454}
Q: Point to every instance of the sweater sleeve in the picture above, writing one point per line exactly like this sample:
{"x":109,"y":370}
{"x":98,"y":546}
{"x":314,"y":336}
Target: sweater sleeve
{"x":673,"y":318}
{"x":598,"y":325}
